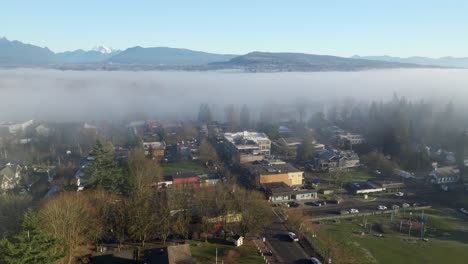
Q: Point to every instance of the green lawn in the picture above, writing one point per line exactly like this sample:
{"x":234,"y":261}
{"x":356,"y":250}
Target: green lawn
{"x":447,"y":232}
{"x":182,"y":166}
{"x":356,"y":176}
{"x":206,"y":252}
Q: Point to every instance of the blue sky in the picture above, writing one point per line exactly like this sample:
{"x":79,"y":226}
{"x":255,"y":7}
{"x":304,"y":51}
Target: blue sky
{"x":343,"y":28}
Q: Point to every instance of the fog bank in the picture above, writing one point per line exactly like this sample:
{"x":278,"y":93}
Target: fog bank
{"x":100,"y":95}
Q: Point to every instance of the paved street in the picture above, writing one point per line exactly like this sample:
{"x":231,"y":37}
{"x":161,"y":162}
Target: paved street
{"x":285,"y":250}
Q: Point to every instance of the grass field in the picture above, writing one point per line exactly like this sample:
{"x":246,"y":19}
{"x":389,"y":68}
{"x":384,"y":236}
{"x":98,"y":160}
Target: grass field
{"x":206,"y":252}
{"x":350,"y":242}
{"x":182,"y":166}
{"x":356,"y":176}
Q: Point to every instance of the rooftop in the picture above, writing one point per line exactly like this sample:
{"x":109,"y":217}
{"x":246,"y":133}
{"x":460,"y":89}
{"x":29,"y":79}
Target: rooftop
{"x":266,"y":167}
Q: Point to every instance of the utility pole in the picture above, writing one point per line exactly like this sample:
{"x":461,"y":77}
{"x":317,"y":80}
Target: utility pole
{"x":216,"y":255}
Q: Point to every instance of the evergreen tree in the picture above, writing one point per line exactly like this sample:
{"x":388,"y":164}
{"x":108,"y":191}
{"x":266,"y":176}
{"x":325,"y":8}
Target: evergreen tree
{"x":31,"y":245}
{"x":305,"y":151}
{"x":104,"y":171}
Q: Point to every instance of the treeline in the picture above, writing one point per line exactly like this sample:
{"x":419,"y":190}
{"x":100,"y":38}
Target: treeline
{"x":122,"y":204}
{"x":399,"y":127}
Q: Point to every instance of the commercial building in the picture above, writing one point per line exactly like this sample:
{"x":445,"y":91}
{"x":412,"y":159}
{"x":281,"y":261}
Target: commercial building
{"x":276,"y":171}
{"x":244,"y":147}
{"x":279,"y":192}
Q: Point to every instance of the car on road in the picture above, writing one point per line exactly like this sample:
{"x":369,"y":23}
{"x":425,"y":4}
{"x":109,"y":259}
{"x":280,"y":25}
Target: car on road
{"x":382,"y":207}
{"x":344,"y":212}
{"x":395,"y":207}
{"x":353,"y":211}
{"x":314,"y":261}
{"x":293,"y":237}
{"x":405,"y":205}
{"x":399,"y":194}
{"x":463,"y":210}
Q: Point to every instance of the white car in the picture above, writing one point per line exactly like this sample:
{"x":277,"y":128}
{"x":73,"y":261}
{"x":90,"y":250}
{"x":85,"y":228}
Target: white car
{"x":293,"y":237}
{"x":382,"y":207}
{"x":353,"y":211}
{"x":463,"y":210}
{"x":399,"y":194}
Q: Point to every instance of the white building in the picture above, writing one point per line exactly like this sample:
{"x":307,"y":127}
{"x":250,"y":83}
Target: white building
{"x":246,"y":146}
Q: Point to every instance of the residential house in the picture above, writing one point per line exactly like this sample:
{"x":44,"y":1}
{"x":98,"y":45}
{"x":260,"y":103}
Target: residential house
{"x":332,"y":160}
{"x":445,"y":175}
{"x":244,"y":147}
{"x":155,"y":149}
{"x":276,"y":171}
{"x":10,"y":177}
{"x":44,"y":171}
{"x":16,"y":128}
{"x":208,"y":179}
{"x":349,"y":139}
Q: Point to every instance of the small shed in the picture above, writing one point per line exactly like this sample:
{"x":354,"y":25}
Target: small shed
{"x":238,"y":240}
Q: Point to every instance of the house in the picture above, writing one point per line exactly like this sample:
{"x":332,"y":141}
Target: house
{"x":244,"y":147}
{"x":276,"y":171}
{"x":349,"y":139}
{"x":155,"y":149}
{"x":280,"y":192}
{"x":185,"y":179}
{"x":444,"y":175}
{"x":10,"y":177}
{"x":44,"y":171}
{"x":332,"y":160}
{"x":208,"y":179}
{"x":289,"y":145}
{"x":16,"y":128}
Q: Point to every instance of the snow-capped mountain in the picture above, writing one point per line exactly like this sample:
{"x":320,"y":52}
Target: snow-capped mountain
{"x":103,"y":49}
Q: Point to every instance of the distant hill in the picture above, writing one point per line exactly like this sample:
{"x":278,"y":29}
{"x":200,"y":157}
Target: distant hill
{"x":166,"y":56}
{"x":15,"y":52}
{"x":443,"y":61}
{"x":82,"y":56}
{"x":268,"y":61}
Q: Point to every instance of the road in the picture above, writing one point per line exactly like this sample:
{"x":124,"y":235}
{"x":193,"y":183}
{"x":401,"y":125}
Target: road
{"x":285,"y":250}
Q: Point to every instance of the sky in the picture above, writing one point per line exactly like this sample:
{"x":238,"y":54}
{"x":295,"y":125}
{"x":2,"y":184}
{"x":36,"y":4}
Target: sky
{"x":342,"y":28}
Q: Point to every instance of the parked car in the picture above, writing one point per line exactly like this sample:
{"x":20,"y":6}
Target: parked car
{"x":399,"y":194}
{"x":317,"y":203}
{"x":395,"y":207}
{"x":353,"y":211}
{"x":293,"y":204}
{"x":463,"y":210}
{"x":314,"y":261}
{"x":405,"y":205}
{"x":382,"y":207}
{"x":293,"y":237}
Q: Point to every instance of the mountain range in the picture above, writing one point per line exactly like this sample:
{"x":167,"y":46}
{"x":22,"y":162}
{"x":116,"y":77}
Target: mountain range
{"x":443,"y":61}
{"x":15,"y":54}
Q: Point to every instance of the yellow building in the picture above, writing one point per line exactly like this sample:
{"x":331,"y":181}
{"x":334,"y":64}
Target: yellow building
{"x":276,"y":172}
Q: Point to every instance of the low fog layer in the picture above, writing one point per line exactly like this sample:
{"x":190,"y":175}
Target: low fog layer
{"x":97,"y":95}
